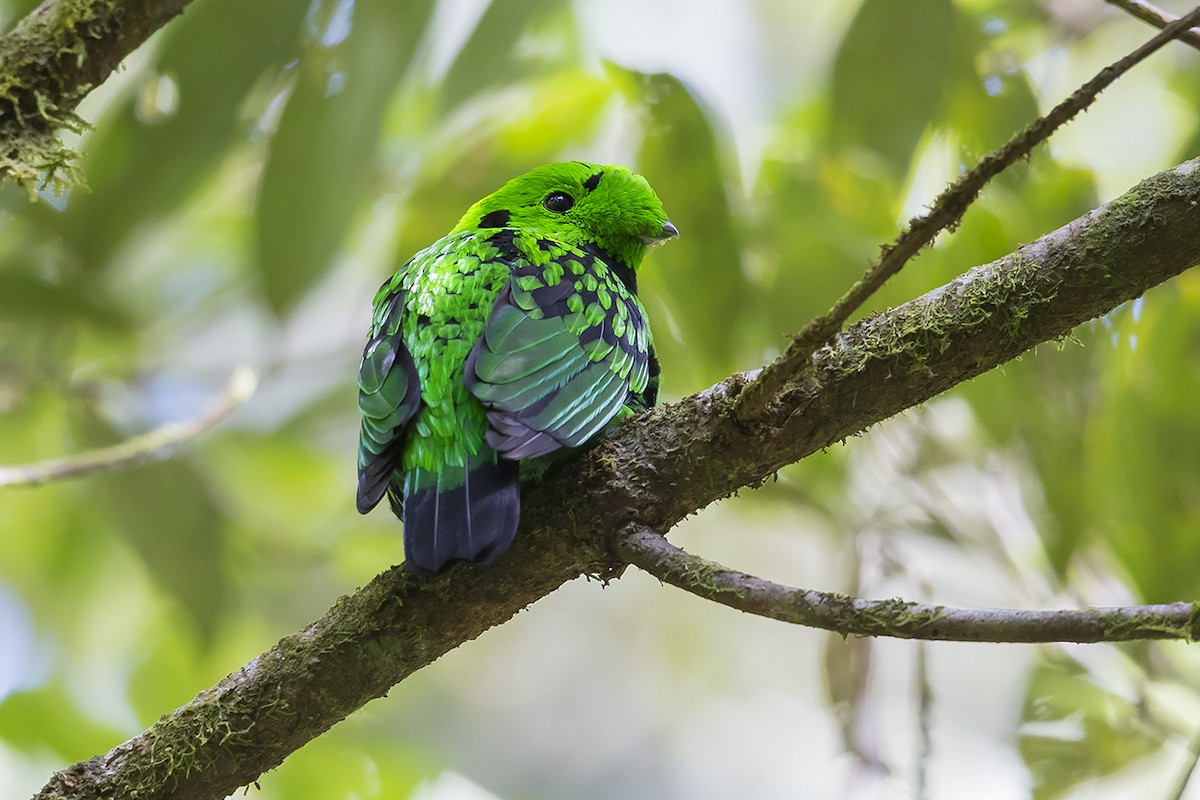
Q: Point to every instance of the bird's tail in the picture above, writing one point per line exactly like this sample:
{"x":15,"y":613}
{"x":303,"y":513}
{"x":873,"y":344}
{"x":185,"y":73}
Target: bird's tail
{"x":467,"y":512}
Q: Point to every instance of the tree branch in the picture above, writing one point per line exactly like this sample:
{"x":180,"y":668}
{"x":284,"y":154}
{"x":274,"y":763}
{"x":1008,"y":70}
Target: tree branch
{"x":50,"y":61}
{"x":851,"y":616}
{"x":157,"y":445}
{"x":660,"y":467}
{"x":947,"y":211}
{"x":1154,"y":15}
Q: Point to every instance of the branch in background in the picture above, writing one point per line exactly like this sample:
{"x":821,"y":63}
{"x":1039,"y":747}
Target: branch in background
{"x":157,"y":445}
{"x":1185,"y":778}
{"x":851,"y":616}
{"x":658,"y":468}
{"x":946,"y":213}
{"x":1154,"y":15}
{"x":924,"y":721}
{"x":50,"y":61}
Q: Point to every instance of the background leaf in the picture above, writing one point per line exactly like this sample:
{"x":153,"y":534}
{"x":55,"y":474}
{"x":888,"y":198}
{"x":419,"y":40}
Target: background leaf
{"x":259,"y":168}
{"x":323,"y":152}
{"x":887,"y":110}
{"x":680,"y":130}
{"x":140,"y":169}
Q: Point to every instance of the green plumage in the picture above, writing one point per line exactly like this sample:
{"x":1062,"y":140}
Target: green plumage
{"x":516,"y":335}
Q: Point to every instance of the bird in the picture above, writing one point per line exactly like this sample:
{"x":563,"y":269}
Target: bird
{"x":516,"y":338}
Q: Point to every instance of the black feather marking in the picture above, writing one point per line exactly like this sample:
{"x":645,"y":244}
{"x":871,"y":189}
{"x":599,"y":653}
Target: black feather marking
{"x":547,"y":296}
{"x":623,"y":271}
{"x":373,"y":477}
{"x":538,"y":445}
{"x":495,"y":219}
{"x":521,"y":427}
{"x":502,"y":240}
{"x":591,"y":183}
{"x":515,"y":440}
{"x":382,"y":464}
{"x":474,"y":521}
{"x":648,"y":397}
{"x":395,"y":496}
{"x":373,"y":485}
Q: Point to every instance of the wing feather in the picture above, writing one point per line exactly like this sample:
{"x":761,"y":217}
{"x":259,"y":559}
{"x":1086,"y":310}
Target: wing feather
{"x":389,"y":396}
{"x":551,"y":369}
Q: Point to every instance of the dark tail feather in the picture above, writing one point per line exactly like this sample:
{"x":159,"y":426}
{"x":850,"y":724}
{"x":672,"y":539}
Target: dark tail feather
{"x":466,"y":513}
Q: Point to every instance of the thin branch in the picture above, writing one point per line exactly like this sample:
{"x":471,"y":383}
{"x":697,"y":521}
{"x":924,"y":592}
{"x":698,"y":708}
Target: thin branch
{"x":851,"y":616}
{"x":924,"y":720}
{"x":1147,"y":12}
{"x":157,"y":445}
{"x":659,"y":467}
{"x":947,"y":211}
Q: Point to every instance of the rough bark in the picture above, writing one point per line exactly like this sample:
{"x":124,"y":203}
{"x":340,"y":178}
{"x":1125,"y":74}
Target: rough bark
{"x":50,"y":61}
{"x":659,"y":468}
{"x":902,"y":619}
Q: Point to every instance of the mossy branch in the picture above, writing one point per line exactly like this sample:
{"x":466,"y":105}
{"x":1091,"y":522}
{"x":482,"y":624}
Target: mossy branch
{"x":659,"y":468}
{"x":49,"y":62}
{"x":945,"y":214}
{"x":902,"y":619}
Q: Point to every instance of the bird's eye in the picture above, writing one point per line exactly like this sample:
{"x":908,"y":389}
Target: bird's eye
{"x":558,"y":202}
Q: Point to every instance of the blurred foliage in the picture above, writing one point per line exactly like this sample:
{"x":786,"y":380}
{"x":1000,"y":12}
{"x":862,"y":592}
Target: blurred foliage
{"x":1076,"y":730}
{"x":259,"y":168}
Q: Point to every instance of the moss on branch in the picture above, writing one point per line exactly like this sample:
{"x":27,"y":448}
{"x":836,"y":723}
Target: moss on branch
{"x":660,"y":467}
{"x":49,"y":62}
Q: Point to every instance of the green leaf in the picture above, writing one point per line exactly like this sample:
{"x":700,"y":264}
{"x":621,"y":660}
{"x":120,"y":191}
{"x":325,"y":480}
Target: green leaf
{"x":47,"y":717}
{"x":1142,"y":473}
{"x":28,"y":298}
{"x":352,"y":760}
{"x":166,"y":513}
{"x":141,"y":169}
{"x":819,"y":224}
{"x":699,"y":278}
{"x":322,"y":154}
{"x":1074,"y":730}
{"x":1040,"y":405}
{"x":494,"y":55}
{"x":889,"y":76}
{"x":988,"y":97}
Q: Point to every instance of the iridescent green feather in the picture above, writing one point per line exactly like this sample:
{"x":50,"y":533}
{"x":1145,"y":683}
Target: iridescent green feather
{"x":566,"y":347}
{"x":518,"y":334}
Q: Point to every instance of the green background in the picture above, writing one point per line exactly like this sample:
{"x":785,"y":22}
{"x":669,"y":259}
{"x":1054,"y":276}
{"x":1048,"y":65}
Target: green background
{"x":259,"y":168}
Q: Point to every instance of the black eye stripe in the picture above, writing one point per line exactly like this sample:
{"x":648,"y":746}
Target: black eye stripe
{"x":495,"y":219}
{"x":591,"y":183}
{"x":558,"y":202}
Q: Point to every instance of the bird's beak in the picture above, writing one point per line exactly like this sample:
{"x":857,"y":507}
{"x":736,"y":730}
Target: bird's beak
{"x":669,"y":231}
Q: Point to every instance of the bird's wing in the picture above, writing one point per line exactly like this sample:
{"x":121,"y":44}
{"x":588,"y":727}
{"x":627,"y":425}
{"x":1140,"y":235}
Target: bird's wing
{"x":389,"y":395}
{"x":565,"y":347}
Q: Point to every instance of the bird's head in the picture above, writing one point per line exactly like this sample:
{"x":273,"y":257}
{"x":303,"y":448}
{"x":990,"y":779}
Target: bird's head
{"x":580,"y":204}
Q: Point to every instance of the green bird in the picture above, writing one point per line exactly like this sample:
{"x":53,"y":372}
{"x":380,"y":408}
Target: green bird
{"x":516,"y":335}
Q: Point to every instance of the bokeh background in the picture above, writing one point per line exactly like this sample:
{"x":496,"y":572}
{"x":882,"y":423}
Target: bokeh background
{"x":257,"y":169}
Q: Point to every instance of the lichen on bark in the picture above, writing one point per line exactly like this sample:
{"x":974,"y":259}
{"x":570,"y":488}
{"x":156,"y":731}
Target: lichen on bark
{"x":49,"y":62}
